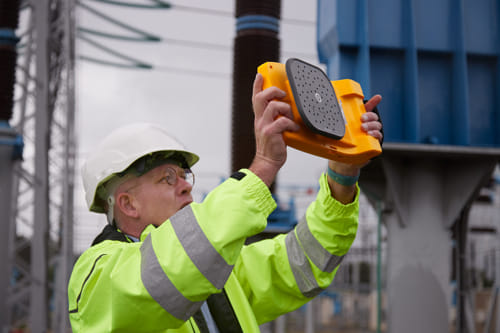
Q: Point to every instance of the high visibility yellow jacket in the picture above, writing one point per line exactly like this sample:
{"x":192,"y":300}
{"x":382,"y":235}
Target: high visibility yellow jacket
{"x":160,"y":283}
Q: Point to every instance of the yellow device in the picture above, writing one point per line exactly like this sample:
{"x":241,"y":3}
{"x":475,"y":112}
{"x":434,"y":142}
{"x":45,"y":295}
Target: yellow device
{"x":328,"y":112}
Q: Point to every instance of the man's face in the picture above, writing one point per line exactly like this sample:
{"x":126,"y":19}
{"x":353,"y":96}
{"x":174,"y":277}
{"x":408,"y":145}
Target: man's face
{"x":160,"y":193}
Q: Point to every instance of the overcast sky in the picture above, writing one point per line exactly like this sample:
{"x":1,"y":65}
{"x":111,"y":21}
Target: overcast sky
{"x":188,"y":92}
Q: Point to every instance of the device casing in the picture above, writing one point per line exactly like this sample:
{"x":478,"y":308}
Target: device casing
{"x":354,"y":146}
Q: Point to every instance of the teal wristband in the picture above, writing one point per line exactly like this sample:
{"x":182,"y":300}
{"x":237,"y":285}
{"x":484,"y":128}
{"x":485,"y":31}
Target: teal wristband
{"x":341,"y":179}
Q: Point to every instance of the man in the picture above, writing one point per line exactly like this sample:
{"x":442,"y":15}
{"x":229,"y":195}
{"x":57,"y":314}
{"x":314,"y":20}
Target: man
{"x":166,"y":264}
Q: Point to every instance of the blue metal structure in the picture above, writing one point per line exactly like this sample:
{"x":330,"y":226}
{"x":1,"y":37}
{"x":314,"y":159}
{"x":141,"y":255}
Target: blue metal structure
{"x":437,"y":65}
{"x":282,"y":220}
{"x":435,"y":62}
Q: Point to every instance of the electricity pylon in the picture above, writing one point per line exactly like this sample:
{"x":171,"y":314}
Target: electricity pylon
{"x":40,"y":250}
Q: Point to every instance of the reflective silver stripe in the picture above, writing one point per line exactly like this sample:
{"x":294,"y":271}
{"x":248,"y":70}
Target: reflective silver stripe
{"x":301,"y":268}
{"x":199,"y":249}
{"x":323,"y":259}
{"x":161,"y":288}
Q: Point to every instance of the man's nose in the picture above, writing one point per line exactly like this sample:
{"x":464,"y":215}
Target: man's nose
{"x":183,"y":185}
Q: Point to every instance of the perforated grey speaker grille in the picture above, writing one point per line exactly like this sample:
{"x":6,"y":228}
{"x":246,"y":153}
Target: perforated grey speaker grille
{"x":315,"y":99}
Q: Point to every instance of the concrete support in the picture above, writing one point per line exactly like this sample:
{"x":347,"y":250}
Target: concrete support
{"x":426,"y":203}
{"x":424,"y":189}
{"x":419,"y":252}
{"x":280,"y":324}
{"x":310,"y":317}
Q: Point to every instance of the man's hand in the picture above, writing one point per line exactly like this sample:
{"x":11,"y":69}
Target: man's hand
{"x":371,"y":125}
{"x":272,"y":118}
{"x":370,"y":120}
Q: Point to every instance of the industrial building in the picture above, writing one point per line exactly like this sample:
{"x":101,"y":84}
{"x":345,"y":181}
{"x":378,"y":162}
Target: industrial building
{"x":426,"y":256}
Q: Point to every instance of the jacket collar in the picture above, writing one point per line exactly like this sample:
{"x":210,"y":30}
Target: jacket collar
{"x":147,"y":231}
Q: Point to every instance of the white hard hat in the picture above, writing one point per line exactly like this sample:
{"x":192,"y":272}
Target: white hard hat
{"x":119,"y":150}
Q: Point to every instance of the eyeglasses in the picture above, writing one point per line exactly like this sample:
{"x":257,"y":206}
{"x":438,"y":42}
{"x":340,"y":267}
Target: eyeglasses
{"x":171,"y":175}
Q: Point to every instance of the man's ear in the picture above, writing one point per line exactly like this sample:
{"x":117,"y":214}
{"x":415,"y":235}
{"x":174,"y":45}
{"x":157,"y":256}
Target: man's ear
{"x":127,"y":204}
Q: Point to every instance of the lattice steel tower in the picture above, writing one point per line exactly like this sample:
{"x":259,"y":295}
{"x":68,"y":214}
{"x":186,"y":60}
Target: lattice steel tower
{"x":37,"y":190}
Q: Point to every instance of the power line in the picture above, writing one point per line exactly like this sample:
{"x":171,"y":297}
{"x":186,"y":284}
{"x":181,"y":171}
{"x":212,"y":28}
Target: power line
{"x":196,"y":44}
{"x":222,"y":47}
{"x":115,"y":64}
{"x":115,"y":36}
{"x":134,"y":63}
{"x":145,"y":35}
{"x":295,"y":21}
{"x":184,"y":43}
{"x":195,"y":72}
{"x":200,"y":10}
{"x":142,"y":36}
{"x":158,"y":4}
{"x":224,"y":13}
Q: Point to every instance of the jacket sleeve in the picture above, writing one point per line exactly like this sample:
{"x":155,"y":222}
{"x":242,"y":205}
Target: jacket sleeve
{"x":166,"y":277}
{"x":281,"y":274}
